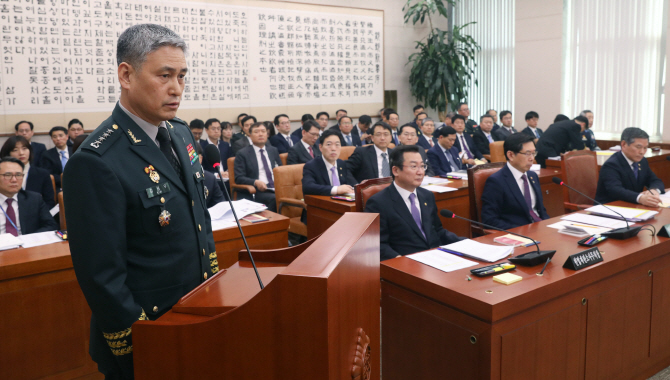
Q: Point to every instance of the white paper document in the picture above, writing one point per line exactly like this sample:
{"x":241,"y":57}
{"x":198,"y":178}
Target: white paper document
{"x":441,"y":260}
{"x":39,"y":238}
{"x":9,"y":241}
{"x":433,"y":181}
{"x":577,"y":229}
{"x":631,"y":214}
{"x":536,"y":167}
{"x":221,"y":224}
{"x":479,"y":251}
{"x":595,"y":220}
{"x":55,"y":210}
{"x":243,"y":207}
{"x":439,"y":189}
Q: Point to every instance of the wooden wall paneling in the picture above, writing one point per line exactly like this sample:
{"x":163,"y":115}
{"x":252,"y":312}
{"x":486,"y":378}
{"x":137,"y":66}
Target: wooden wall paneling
{"x":660,"y":318}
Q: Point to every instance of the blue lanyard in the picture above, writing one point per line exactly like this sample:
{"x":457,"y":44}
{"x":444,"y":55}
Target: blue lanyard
{"x":7,"y":218}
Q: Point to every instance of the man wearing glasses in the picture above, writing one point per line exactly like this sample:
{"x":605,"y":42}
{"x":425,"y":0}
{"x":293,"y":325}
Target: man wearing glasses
{"x":512,"y":196}
{"x":306,"y":149}
{"x":408,"y":220}
{"x":327,"y":174}
{"x":372,"y":161}
{"x":23,"y":212}
{"x":624,"y":176}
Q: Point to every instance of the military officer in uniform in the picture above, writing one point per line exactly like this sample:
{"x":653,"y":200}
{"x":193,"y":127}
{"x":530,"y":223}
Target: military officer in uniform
{"x":140,"y":233}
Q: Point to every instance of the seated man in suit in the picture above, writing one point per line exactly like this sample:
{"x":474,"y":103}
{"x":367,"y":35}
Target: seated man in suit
{"x":426,"y":140}
{"x":484,"y":134}
{"x":626,"y":173}
{"x":283,"y":140}
{"x":393,"y":122}
{"x":322,"y":118}
{"x":244,"y":140}
{"x":464,"y":143}
{"x":33,"y":213}
{"x":408,"y":136}
{"x":372,"y":161}
{"x":54,"y":159}
{"x":512,"y":196}
{"x":327,"y":174}
{"x":364,"y":123}
{"x":561,"y":137}
{"x":74,"y":128}
{"x":587,"y":136}
{"x":408,"y":219}
{"x":443,"y":156}
{"x":307,"y":148}
{"x":346,"y":127}
{"x":297,"y":134}
{"x":532,"y":130}
{"x":197,"y":127}
{"x":253,"y":167}
{"x":213,"y":193}
{"x":25,"y":129}
{"x":214,"y":130}
{"x":494,"y":115}
{"x":506,"y":128}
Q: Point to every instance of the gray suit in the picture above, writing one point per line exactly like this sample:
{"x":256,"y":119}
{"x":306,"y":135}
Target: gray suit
{"x":501,"y":133}
{"x":246,"y":172}
{"x":298,"y":154}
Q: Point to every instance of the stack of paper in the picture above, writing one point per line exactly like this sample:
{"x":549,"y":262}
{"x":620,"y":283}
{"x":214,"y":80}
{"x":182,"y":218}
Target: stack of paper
{"x":514,"y":241}
{"x":631,"y":214}
{"x":439,"y":189}
{"x":433,"y":181}
{"x":595,"y":220}
{"x":222,"y":215}
{"x":536,"y":167}
{"x":477,"y":250}
{"x":39,"y":238}
{"x":441,"y":260}
{"x":9,"y":241}
{"x":578,"y":229}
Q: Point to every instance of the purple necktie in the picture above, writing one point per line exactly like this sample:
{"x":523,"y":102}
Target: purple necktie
{"x":333,"y":177}
{"x":526,"y":196}
{"x":490,"y":138}
{"x":9,"y":224}
{"x":636,"y":168}
{"x":268,"y":171}
{"x":465,"y":147}
{"x":415,"y":214}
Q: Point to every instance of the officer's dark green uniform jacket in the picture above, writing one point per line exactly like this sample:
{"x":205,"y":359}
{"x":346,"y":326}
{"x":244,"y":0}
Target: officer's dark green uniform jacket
{"x":128,"y":265}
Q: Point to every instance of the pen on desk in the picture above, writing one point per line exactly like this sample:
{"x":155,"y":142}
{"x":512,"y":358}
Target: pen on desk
{"x":449,"y":251}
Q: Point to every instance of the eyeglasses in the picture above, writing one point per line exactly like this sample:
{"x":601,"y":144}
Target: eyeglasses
{"x":529,"y":154}
{"x":314,"y":134}
{"x":415,"y":167}
{"x":8,"y":176}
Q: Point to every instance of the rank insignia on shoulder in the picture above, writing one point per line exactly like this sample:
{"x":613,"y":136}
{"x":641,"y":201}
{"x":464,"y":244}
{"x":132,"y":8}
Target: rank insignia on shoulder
{"x":164,"y":218}
{"x":153,"y":174}
{"x":103,"y":137}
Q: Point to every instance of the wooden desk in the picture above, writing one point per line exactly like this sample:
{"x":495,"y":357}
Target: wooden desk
{"x":607,"y":321}
{"x":271,"y":234}
{"x":44,"y":326}
{"x":322,"y":211}
{"x":658,"y":163}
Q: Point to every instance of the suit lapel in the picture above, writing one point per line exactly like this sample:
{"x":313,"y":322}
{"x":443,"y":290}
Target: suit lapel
{"x":513,"y":187}
{"x":372,"y":156}
{"x":401,"y":208}
{"x":323,"y":172}
{"x":628,"y":170}
{"x":23,"y":215}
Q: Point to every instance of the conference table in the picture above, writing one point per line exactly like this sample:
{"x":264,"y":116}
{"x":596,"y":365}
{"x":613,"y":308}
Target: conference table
{"x":606,"y":321}
{"x":44,"y":326}
{"x":658,"y":162}
{"x":323,"y":211}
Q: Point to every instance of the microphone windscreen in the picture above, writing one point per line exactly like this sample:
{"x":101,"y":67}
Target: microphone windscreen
{"x":557,"y":181}
{"x":446,"y":213}
{"x":212,"y":154}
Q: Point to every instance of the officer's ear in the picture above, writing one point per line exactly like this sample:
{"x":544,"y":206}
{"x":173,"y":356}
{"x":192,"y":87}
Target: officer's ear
{"x":125,"y":71}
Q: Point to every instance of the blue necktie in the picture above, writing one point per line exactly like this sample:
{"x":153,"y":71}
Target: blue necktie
{"x":537,"y":134}
{"x":349,"y":140}
{"x":63,"y":159}
{"x":636,"y":168}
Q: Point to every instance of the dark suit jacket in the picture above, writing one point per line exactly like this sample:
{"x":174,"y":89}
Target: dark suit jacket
{"x":279,"y":141}
{"x":39,"y":181}
{"x":296,"y":135}
{"x":398,"y":233}
{"x":51,"y":163}
{"x":423,"y":143}
{"x":355,"y":139}
{"x":558,"y":138}
{"x":471,"y":144}
{"x":316,"y":179}
{"x":298,"y":154}
{"x":243,"y":143}
{"x":362,"y":164}
{"x":617,"y":181}
{"x":530,"y":133}
{"x":438,"y":161}
{"x":34,"y":214}
{"x":213,"y":193}
{"x":503,"y":204}
{"x":225,"y":151}
{"x":426,"y":161}
{"x":246,"y":164}
{"x":38,"y":151}
{"x":495,"y":127}
{"x":482,"y":142}
{"x":502,"y":133}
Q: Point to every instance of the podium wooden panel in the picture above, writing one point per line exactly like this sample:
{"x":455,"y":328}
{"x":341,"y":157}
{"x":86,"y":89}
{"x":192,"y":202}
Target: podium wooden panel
{"x":607,"y":321}
{"x":44,"y":328}
{"x":304,"y":325}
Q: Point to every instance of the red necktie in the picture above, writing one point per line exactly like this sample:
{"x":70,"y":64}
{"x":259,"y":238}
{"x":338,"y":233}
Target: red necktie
{"x":311,"y":153}
{"x":11,"y":222}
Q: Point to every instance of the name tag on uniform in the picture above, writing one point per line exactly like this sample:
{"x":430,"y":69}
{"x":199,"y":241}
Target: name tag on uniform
{"x":158,"y":190}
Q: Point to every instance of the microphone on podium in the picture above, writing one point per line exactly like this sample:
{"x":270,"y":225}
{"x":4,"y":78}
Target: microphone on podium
{"x":212,"y":155}
{"x":619,"y":233}
{"x":527,"y":259}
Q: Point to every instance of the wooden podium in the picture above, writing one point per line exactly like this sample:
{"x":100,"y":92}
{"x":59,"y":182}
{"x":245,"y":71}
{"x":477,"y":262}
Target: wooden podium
{"x":317,"y":318}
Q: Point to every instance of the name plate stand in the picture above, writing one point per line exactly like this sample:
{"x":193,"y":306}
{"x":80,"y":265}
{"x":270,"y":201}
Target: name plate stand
{"x":583,"y":259}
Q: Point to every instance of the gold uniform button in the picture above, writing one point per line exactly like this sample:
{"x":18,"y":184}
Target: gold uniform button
{"x":203,"y":252}
{"x":199,"y":227}
{"x":192,"y":203}
{"x":162,"y":200}
{"x":155,"y":309}
{"x":205,"y":275}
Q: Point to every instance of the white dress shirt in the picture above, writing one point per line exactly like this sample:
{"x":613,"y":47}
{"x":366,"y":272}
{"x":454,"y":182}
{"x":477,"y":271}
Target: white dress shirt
{"x":261,"y":168}
{"x":3,"y":219}
{"x":379,"y":152}
{"x":517,"y":176}
{"x":26,"y":169}
{"x":429,"y":139}
{"x":404,"y":194}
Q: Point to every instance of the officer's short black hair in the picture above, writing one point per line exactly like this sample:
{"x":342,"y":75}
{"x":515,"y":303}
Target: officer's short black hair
{"x":196,"y":124}
{"x":12,"y":159}
{"x":58,"y":128}
{"x":16,"y":127}
{"x":248,"y":117}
